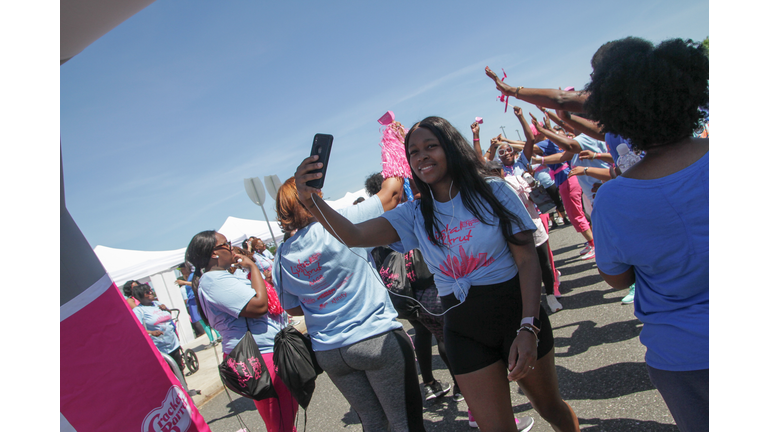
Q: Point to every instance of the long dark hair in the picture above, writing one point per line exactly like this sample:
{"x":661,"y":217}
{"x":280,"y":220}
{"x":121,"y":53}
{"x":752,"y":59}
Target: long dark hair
{"x":198,"y":255}
{"x":468,"y":174}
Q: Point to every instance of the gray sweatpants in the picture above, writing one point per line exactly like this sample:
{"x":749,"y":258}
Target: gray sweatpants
{"x":378,"y":378}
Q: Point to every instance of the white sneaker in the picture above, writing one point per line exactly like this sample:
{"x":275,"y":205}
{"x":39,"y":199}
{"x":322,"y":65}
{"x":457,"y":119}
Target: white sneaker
{"x":553,"y":304}
{"x":586,"y":249}
{"x":559,"y":220}
{"x":589,"y":254}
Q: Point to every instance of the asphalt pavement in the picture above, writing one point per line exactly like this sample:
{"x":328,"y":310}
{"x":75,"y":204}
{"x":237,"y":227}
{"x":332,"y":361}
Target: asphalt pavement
{"x":598,"y":357}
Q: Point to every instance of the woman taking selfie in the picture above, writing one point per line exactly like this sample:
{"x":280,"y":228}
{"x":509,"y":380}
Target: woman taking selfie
{"x":226,"y":301}
{"x":476,"y":238}
{"x":351,"y":321}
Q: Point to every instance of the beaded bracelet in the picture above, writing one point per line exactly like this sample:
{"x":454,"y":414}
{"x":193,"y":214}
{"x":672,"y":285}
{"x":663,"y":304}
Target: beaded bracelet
{"x":526,"y":328}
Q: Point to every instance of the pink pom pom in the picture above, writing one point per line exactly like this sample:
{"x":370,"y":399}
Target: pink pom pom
{"x":479,"y":120}
{"x":394,"y":163}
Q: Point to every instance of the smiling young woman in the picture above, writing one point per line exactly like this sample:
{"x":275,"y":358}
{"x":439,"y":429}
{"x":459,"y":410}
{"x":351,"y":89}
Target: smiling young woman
{"x":476,"y":238}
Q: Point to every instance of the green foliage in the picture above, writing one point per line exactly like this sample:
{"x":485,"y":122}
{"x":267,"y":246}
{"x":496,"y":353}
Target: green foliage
{"x":705,"y":43}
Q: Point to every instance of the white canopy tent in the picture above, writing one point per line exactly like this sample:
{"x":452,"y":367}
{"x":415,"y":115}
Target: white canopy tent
{"x":236,"y":230}
{"x":348,"y":199}
{"x":159,"y":267}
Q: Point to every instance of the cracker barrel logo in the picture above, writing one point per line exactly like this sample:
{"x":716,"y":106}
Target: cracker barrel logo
{"x":171,"y":416}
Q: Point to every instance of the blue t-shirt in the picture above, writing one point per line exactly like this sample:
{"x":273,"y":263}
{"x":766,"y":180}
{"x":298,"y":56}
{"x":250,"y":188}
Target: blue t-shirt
{"x":597,"y":146}
{"x":342,"y":296}
{"x":549,"y":148}
{"x":661,"y":228}
{"x":222,"y":297}
{"x":153,"y":318}
{"x":476,"y":254}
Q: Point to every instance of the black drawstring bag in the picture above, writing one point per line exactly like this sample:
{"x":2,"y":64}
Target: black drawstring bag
{"x":393,"y":273}
{"x":244,"y":371}
{"x":296,"y":364}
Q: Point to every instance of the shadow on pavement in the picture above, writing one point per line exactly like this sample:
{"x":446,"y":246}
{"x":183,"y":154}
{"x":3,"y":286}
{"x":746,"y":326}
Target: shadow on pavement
{"x":608,"y":382}
{"x":584,"y":299}
{"x":238,"y":405}
{"x":587,"y":335}
{"x":621,"y":425}
{"x":350,"y":418}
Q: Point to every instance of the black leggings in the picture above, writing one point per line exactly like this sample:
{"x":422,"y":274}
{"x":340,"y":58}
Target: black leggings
{"x":176,"y":355}
{"x":422,"y":343}
{"x":553,"y":193}
{"x":546,"y":268}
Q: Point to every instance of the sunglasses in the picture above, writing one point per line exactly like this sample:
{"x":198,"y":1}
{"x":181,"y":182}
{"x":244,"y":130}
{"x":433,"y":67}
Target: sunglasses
{"x":228,"y":245}
{"x":503,"y":152}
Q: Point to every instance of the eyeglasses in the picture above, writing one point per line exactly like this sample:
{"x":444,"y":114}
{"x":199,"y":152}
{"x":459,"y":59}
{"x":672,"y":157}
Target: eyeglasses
{"x":228,"y":245}
{"x":503,"y":152}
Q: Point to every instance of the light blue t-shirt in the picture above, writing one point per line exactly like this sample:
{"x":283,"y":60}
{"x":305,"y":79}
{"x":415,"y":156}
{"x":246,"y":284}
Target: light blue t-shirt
{"x":222,"y":297}
{"x":476,"y":254}
{"x":153,"y":318}
{"x":342,"y":296}
{"x":661,"y":228}
{"x":597,"y":146}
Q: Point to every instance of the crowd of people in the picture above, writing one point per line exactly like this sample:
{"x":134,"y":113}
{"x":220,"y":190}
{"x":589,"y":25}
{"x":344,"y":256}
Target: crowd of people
{"x":470,"y":229}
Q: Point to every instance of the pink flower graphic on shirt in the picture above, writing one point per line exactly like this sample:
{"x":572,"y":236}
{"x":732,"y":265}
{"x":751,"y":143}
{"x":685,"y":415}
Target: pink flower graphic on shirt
{"x":458,"y":267}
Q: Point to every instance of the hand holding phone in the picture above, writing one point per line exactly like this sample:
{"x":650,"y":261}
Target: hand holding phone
{"x":321,"y":146}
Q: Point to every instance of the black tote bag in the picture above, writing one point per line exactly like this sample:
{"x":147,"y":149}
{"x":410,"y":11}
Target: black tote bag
{"x":244,"y":371}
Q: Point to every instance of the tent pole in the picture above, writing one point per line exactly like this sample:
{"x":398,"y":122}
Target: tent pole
{"x":268,"y":225}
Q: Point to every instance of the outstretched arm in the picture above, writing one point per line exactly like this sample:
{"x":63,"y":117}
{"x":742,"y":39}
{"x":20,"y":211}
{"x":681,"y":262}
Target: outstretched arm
{"x":555,"y":118}
{"x":550,"y":98}
{"x":374,"y":232}
{"x":528,"y":147}
{"x":582,"y":125}
{"x":565,"y":143}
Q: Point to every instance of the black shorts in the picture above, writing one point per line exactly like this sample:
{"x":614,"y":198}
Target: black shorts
{"x":480,"y":332}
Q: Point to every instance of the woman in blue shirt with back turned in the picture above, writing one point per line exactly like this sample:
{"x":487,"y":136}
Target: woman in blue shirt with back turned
{"x":652,"y":222}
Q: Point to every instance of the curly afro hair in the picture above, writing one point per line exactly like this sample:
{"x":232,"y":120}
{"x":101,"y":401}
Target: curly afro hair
{"x":373,"y":183}
{"x":649,"y":95}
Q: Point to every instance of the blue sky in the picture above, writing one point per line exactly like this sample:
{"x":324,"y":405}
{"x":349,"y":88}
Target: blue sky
{"x":163,"y":117}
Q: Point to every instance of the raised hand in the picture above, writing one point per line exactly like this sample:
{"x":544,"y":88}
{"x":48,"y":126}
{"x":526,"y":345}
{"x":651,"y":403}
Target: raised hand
{"x":303,"y":175}
{"x":518,"y":111}
{"x":475,"y":128}
{"x":500,"y":85}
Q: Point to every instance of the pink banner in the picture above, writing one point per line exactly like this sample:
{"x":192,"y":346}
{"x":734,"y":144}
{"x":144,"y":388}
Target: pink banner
{"x":112,"y":376}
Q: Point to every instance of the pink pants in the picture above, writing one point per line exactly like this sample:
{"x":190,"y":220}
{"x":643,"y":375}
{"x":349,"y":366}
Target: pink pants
{"x":284,"y":407}
{"x":570,"y":191}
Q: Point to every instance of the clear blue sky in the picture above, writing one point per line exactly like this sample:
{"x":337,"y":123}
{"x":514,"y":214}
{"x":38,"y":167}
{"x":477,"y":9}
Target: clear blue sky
{"x":163,"y":117}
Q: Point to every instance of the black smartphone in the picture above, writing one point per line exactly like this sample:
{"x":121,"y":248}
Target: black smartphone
{"x":321,"y":146}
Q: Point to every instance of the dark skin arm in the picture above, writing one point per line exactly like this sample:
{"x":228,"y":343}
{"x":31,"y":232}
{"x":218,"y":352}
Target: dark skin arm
{"x":603,"y":174}
{"x":528,"y":148}
{"x":371,"y":233}
{"x":549,"y":98}
{"x":297,"y":311}
{"x":619,"y":281}
{"x":565,"y":143}
{"x":476,"y":140}
{"x":257,"y":306}
{"x":522,"y":353}
{"x":582,"y":125}
{"x":490,"y":154}
{"x":557,"y":120}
